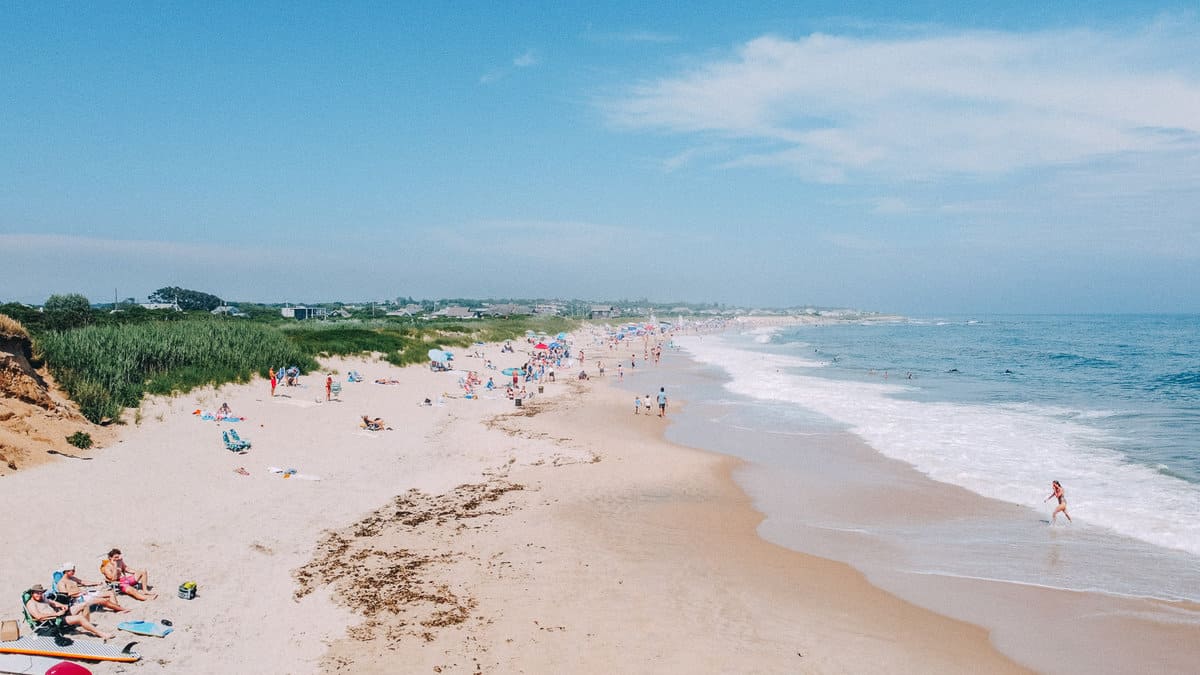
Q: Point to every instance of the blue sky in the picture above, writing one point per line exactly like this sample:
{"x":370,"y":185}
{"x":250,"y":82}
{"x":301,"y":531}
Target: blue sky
{"x":1009,"y":157}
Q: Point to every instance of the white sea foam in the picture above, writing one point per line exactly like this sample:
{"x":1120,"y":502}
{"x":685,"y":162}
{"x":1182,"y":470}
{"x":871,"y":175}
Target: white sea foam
{"x":1006,"y":452}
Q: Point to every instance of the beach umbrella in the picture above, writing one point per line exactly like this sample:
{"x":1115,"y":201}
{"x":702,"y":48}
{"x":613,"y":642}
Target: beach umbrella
{"x":561,"y":336}
{"x":541,"y":345}
{"x":529,"y":332}
{"x":437,"y":355}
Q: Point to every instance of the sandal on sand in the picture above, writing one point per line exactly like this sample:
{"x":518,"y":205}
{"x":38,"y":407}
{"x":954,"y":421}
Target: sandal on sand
{"x":242,"y":470}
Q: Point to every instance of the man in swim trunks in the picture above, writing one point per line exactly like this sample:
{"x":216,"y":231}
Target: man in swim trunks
{"x":41,"y":608}
{"x":115,"y":571}
{"x":662,"y":401}
{"x":85,"y":592}
{"x":1057,"y":491}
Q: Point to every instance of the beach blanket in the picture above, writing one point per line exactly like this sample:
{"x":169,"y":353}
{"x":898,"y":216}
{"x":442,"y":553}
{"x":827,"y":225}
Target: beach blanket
{"x":210,"y":416}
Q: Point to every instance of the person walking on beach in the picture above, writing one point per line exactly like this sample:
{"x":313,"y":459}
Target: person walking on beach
{"x":328,"y":386}
{"x":274,"y":381}
{"x":662,"y":401}
{"x":637,"y":405}
{"x":620,"y":373}
{"x":1057,"y":491}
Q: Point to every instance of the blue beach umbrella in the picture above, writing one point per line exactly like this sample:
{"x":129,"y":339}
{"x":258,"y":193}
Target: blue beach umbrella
{"x":561,"y":336}
{"x":437,"y":355}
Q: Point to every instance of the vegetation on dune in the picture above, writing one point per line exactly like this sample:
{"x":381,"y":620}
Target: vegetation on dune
{"x":11,"y":329}
{"x":107,"y":361}
{"x":80,"y":439}
{"x":105,"y":369}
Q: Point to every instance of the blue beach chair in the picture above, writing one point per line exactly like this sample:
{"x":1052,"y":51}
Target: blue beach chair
{"x":230,"y":445}
{"x":243,"y":445}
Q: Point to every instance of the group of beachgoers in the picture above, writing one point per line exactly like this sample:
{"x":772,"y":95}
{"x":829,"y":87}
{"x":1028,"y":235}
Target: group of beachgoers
{"x":290,"y":377}
{"x":71,"y":599}
{"x":660,"y":399}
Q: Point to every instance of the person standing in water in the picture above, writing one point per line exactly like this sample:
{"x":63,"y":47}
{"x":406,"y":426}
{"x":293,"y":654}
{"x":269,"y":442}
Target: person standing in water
{"x":1057,"y":491}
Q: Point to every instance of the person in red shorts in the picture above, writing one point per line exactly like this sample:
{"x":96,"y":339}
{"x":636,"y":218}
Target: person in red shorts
{"x":115,"y":571}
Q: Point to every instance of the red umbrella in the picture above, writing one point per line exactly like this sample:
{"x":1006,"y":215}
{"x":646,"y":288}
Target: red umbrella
{"x":541,"y":345}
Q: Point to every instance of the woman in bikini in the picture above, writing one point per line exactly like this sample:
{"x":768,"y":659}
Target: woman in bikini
{"x":1057,"y":491}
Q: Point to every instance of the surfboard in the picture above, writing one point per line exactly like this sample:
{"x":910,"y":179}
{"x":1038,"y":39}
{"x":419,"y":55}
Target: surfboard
{"x":151,"y":628}
{"x":84,"y":650}
{"x":20,"y":664}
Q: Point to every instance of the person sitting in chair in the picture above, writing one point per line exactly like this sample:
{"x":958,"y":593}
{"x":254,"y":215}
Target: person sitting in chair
{"x":86,"y":592}
{"x":126,"y":578}
{"x":373,"y":424}
{"x":41,"y":609}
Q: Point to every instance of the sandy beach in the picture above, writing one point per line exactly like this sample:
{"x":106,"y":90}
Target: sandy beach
{"x":473,"y":537}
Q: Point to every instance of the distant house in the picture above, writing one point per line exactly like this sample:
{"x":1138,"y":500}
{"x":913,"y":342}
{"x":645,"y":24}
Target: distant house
{"x":454,"y":312}
{"x":301,"y":312}
{"x":603,"y":312}
{"x":548,"y":308}
{"x":228,"y":310}
{"x":407,"y":310}
{"x":507,"y":309}
{"x":162,"y":305}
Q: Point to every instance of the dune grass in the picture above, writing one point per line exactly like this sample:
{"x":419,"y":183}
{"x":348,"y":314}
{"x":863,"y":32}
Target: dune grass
{"x":106,"y":368}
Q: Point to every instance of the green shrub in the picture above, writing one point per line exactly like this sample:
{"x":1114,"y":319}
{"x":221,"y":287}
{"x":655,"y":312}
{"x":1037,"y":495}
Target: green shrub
{"x":80,"y":439}
{"x":64,"y":312}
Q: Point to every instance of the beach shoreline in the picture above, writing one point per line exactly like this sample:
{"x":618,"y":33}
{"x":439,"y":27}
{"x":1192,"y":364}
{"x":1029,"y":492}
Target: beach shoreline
{"x":644,"y":540}
{"x":645,"y":559}
{"x":827,"y":492}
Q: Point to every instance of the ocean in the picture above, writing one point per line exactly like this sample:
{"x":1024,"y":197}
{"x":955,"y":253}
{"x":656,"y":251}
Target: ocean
{"x":995,"y":405}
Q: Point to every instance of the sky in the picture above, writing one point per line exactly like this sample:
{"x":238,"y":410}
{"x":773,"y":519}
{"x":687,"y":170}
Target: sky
{"x":1020,"y":157}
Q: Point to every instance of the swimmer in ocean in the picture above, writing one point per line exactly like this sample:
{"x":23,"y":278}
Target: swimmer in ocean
{"x":1057,"y":491}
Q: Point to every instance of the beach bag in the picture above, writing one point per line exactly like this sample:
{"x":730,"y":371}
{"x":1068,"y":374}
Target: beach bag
{"x":9,"y":630}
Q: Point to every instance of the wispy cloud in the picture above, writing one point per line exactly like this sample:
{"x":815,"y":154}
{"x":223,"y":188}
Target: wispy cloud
{"x":968,"y":103}
{"x":529,"y":58}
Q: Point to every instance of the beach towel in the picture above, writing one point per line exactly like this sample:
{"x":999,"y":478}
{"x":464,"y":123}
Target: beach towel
{"x":292,"y":473}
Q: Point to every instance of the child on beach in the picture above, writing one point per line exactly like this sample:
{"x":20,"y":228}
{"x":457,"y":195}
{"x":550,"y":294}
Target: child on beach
{"x":637,"y":405}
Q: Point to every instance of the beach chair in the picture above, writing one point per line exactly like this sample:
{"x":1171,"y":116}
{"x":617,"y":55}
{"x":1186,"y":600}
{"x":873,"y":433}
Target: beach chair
{"x":56,"y":626}
{"x":335,"y":390}
{"x":230,"y":445}
{"x":242,"y":445}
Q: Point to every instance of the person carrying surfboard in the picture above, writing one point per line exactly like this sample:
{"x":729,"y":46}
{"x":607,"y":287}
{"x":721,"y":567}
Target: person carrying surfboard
{"x":41,"y":608}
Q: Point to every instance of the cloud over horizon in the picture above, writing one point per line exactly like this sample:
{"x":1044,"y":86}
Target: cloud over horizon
{"x":834,"y":108}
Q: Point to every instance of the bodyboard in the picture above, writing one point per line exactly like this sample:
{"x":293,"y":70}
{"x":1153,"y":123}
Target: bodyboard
{"x":151,"y":628}
{"x":83,"y":650}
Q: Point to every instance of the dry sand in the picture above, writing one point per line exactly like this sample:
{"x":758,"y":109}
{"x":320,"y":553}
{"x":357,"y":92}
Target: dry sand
{"x":475,"y":537}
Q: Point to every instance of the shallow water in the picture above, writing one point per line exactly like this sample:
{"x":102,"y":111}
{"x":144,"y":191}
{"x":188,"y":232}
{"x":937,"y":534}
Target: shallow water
{"x":1103,"y":404}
